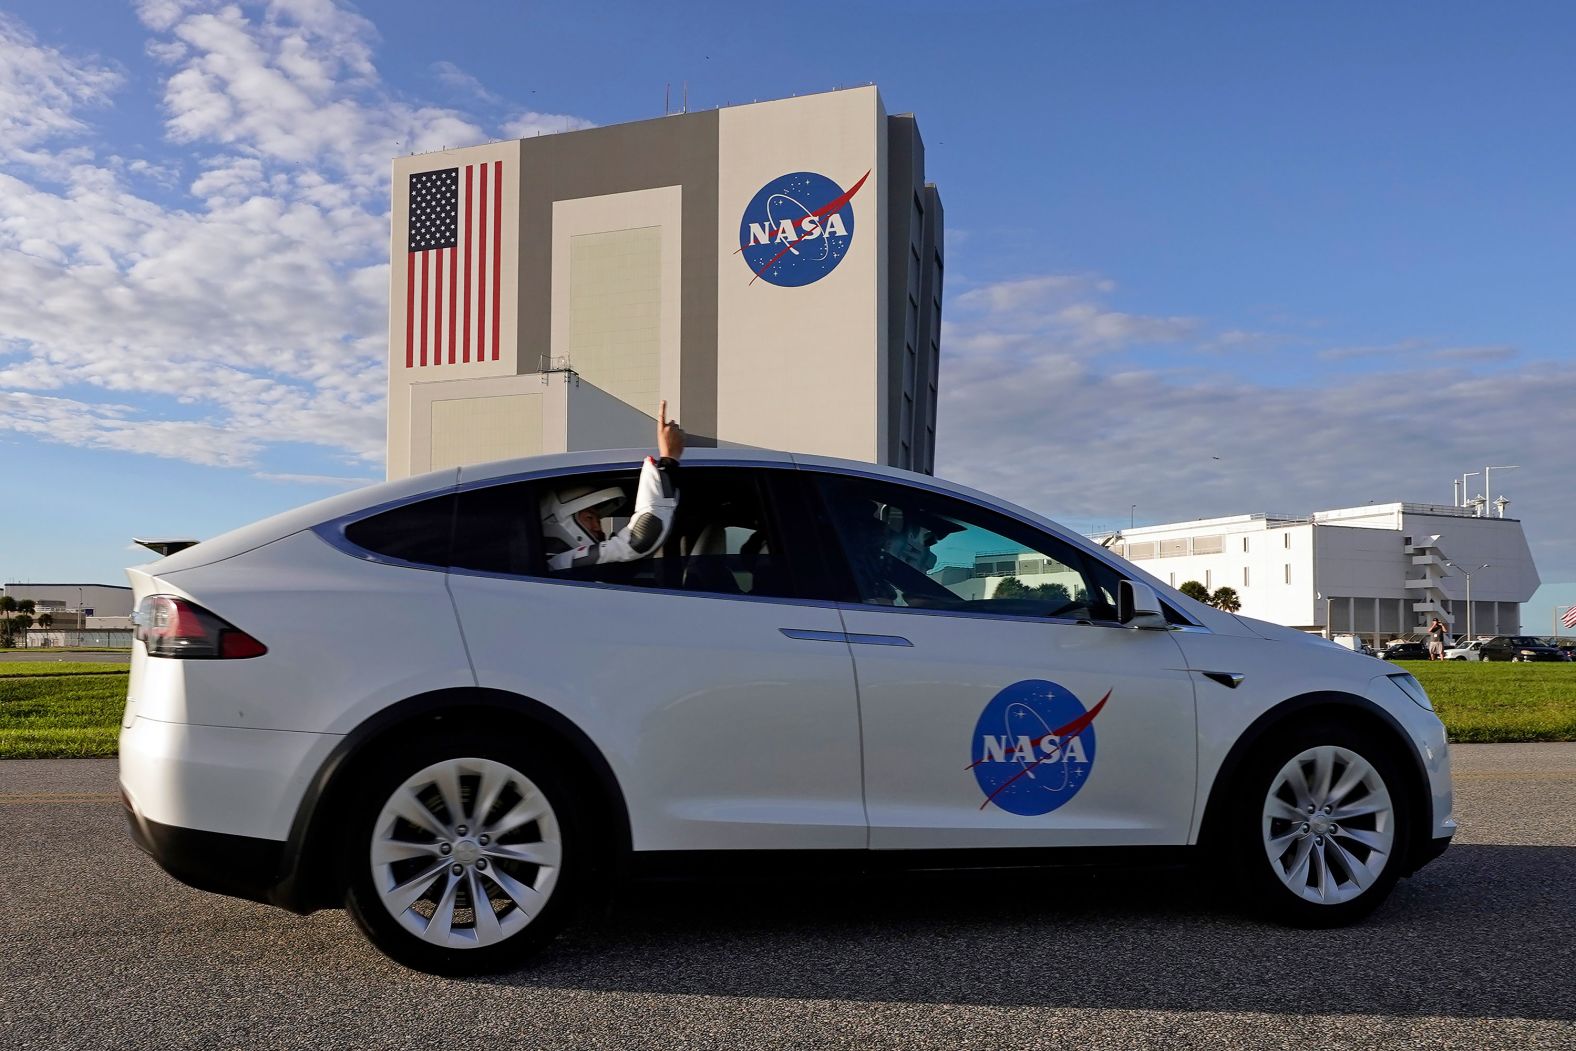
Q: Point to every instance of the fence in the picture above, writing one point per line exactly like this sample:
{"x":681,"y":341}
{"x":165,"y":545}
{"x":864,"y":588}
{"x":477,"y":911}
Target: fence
{"x":98,"y":638}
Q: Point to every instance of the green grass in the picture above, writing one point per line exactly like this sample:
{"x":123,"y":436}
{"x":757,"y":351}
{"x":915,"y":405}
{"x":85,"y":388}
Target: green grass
{"x":20,"y":669}
{"x":68,"y":709}
{"x":46,"y":716}
{"x":1501,"y":701}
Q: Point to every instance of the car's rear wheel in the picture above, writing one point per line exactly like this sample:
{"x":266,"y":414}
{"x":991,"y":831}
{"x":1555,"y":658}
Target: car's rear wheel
{"x":1320,"y":827}
{"x":462,"y":856}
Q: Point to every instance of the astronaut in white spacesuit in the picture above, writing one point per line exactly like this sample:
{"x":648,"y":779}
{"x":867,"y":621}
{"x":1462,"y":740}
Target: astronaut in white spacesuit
{"x":572,"y":517}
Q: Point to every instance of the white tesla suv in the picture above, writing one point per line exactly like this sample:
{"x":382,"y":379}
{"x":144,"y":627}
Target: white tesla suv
{"x":385,"y":700}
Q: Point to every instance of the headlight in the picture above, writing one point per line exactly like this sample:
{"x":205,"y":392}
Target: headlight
{"x":1413,"y":689}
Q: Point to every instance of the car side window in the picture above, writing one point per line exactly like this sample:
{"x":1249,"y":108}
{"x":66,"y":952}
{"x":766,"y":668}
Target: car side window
{"x":495,"y":529}
{"x":418,"y":532}
{"x":723,"y":540}
{"x":908,"y":547}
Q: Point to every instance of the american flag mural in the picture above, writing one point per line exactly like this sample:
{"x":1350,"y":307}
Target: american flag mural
{"x":452,"y":265}
{"x":1569,"y":619}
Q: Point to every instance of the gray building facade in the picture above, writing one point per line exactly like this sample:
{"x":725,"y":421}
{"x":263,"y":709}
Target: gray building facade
{"x":773,"y":271}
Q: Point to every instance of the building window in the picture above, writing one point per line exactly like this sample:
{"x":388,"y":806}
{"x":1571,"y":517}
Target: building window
{"x":1173,"y":580}
{"x":1286,"y":540}
{"x":1288,"y":572}
{"x":1244,"y":544}
{"x":1208,"y":581}
{"x":1244,"y":576}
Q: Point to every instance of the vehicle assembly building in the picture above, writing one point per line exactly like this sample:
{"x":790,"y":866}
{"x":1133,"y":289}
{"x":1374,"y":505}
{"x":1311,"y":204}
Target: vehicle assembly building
{"x":772,"y":270}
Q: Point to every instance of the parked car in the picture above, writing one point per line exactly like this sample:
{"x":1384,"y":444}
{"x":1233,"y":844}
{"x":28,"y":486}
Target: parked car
{"x":1465,"y":651}
{"x":1564,"y":645}
{"x":387,"y":701}
{"x":1405,"y":651}
{"x":1519,"y":648}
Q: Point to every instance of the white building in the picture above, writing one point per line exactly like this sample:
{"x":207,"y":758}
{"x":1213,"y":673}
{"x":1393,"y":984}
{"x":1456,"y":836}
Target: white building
{"x":76,"y":603}
{"x":1379,"y":571}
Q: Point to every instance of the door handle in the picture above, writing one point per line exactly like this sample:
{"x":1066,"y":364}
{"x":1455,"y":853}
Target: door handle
{"x":878,"y":640}
{"x":808,"y":635}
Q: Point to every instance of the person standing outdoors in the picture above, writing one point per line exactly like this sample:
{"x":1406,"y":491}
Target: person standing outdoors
{"x":1436,"y":640}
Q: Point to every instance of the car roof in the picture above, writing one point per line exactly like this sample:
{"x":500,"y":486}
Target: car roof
{"x":401,"y":490}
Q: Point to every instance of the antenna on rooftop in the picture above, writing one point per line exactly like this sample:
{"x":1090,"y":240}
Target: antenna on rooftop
{"x":686,"y":97}
{"x":667,"y":93}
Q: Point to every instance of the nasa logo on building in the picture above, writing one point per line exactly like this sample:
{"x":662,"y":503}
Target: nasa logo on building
{"x":1033,"y":747}
{"x":797,"y":228}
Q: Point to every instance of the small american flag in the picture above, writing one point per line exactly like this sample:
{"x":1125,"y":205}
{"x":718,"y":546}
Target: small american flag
{"x":453,"y":266}
{"x":1570,"y":617}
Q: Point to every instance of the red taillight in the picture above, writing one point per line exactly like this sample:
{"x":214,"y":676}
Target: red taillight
{"x":175,"y":627}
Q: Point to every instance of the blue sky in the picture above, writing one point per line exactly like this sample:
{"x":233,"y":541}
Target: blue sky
{"x":1329,"y":244}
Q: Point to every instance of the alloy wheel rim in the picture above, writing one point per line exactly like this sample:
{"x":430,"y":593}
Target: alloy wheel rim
{"x":1328,"y":825}
{"x":466,"y":853}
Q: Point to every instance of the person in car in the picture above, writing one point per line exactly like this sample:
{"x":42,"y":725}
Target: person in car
{"x":572,"y":518}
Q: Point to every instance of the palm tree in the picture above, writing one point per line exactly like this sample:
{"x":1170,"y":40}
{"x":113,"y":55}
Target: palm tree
{"x":46,"y":621}
{"x":7,"y":606}
{"x":1194,"y":590}
{"x":1226,"y":598}
{"x":23,"y":621}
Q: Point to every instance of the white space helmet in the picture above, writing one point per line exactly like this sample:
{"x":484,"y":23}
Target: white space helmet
{"x":559,"y":510}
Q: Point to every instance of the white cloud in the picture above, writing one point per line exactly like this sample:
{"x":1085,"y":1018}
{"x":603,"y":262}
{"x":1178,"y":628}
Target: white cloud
{"x":43,"y":92}
{"x":253,"y":310}
{"x":1065,"y":308}
{"x":529,"y":124}
{"x":1035,"y":414}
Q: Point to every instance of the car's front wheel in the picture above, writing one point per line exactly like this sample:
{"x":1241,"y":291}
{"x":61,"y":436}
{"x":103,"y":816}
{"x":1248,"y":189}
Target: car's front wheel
{"x":461,"y":857}
{"x":1320,"y":826}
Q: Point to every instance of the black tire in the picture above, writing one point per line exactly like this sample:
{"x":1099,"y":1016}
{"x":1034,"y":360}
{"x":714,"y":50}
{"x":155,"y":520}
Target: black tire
{"x":1351,"y":897}
{"x":529,"y":930}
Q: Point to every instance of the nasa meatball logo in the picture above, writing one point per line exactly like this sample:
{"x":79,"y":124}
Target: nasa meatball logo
{"x":1033,"y":747}
{"x":797,"y":228}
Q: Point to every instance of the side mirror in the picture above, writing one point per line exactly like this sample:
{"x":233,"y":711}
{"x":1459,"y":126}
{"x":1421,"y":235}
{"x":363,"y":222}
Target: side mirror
{"x":1137,"y":606}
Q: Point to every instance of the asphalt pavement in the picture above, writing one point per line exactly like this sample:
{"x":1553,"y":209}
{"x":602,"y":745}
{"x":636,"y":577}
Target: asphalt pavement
{"x":95,"y":656}
{"x":1478,"y":950}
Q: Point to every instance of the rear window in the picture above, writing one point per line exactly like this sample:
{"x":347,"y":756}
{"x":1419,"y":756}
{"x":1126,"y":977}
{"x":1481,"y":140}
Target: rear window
{"x":419,"y":532}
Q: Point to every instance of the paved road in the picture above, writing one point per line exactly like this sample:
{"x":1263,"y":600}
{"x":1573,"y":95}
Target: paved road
{"x":1479,"y":950}
{"x":96,"y":656}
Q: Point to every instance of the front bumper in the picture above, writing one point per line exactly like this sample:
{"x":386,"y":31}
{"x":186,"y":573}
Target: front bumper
{"x":1425,"y":852}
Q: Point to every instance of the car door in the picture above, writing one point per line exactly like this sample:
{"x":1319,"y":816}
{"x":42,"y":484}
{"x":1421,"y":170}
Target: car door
{"x":1001,"y":704}
{"x":689,"y":670}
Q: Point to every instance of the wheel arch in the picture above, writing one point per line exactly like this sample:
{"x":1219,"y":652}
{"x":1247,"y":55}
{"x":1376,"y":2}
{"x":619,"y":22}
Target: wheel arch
{"x":304,"y":886}
{"x":1296,"y":711}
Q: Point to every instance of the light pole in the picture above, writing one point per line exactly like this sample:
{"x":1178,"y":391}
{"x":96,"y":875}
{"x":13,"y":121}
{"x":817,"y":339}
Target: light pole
{"x":1132,"y":516}
{"x":1466,"y":493}
{"x":1464,"y":573}
{"x":1488,"y":494}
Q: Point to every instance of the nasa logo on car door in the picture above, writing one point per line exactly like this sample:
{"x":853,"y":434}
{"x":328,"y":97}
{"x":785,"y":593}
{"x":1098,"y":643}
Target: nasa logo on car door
{"x":1033,"y":747}
{"x":797,"y":228}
